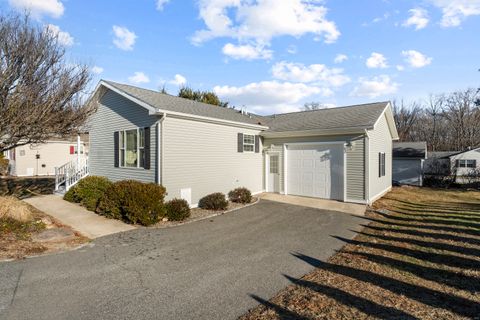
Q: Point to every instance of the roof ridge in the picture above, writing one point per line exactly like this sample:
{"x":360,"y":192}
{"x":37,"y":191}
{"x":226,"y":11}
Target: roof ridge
{"x":334,"y":108}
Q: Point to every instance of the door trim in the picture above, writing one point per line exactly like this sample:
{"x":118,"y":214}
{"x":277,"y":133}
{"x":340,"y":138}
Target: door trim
{"x":285,"y":161}
{"x":267,"y":168}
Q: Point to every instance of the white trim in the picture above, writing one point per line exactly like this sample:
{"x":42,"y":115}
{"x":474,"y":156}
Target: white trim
{"x":315,"y":132}
{"x":248,"y":144}
{"x":366,"y":193}
{"x":390,"y":121}
{"x":155,"y":111}
{"x":379,"y":195}
{"x":162,"y":149}
{"x":285,"y":161}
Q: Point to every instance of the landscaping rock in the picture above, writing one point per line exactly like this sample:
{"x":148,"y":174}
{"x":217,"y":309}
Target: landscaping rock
{"x":50,"y":235}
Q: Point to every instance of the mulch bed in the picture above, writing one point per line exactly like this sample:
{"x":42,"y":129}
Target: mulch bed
{"x":200,"y":214}
{"x":419,"y":258}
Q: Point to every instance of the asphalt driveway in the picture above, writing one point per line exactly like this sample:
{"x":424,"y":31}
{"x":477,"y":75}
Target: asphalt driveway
{"x":209,"y":269}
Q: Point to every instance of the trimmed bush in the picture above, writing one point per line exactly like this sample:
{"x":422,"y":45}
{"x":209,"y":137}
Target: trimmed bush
{"x":240,"y":195}
{"x":88,"y":191}
{"x":133,"y":202}
{"x":177,"y":209}
{"x":214,"y":201}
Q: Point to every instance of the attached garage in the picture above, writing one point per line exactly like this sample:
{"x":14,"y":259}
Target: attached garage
{"x":315,"y":170}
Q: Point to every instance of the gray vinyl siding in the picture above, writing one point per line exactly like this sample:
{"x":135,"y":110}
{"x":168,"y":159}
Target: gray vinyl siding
{"x":355,"y":160}
{"x":380,"y":140}
{"x":204,"y":157}
{"x":116,"y":113}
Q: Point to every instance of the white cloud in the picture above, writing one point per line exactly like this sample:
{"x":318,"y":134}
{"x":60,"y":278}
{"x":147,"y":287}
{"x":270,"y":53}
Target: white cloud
{"x":97,"y":69}
{"x":260,"y":21}
{"x":317,"y":74}
{"x":377,"y":60}
{"x":375,"y":87}
{"x":400,"y":67}
{"x":268,"y":97}
{"x":340,"y":58}
{"x":179,"y":80}
{"x":138,"y":78}
{"x":418,"y":18}
{"x":246,"y":52}
{"x":64,"y":38}
{"x":161,"y":4}
{"x":456,"y":11}
{"x":39,"y":8}
{"x":416,"y":59}
{"x":292,"y":49}
{"x":124,"y":39}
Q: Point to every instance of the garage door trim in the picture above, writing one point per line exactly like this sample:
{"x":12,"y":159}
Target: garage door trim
{"x":285,"y":161}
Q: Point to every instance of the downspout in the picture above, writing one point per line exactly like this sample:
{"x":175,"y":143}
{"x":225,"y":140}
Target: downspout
{"x":161,"y":148}
{"x":367,"y":167}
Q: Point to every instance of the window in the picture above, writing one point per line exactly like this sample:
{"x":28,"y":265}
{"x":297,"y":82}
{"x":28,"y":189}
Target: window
{"x":464,"y":163}
{"x":248,"y":142}
{"x":381,"y":164}
{"x":132,"y":148}
{"x":274,"y":164}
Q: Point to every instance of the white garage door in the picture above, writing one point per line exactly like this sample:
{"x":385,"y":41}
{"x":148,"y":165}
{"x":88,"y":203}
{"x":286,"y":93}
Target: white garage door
{"x":315,"y":171}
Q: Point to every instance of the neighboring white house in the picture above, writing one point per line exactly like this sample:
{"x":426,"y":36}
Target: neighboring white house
{"x":408,"y":162}
{"x":194,"y":149}
{"x":466,"y":162}
{"x":41,"y":159}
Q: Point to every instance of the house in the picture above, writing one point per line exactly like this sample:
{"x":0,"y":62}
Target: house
{"x":438,"y":163}
{"x":194,"y":149}
{"x":408,"y":162}
{"x":41,"y":159}
{"x":466,"y":163}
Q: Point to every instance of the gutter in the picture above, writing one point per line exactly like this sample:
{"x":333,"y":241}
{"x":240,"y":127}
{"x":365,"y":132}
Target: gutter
{"x":161,"y":148}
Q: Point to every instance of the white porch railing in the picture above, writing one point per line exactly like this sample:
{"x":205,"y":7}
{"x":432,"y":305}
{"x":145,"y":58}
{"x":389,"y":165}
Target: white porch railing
{"x":70,"y":173}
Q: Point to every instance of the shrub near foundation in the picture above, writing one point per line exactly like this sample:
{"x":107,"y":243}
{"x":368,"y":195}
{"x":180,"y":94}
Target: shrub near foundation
{"x":214,"y":201}
{"x":177,"y":209}
{"x":133,"y":202}
{"x":240,"y":195}
{"x":88,"y":191}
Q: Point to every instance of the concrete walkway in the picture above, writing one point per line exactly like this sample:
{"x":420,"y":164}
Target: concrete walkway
{"x":333,"y":205}
{"x":78,"y":218}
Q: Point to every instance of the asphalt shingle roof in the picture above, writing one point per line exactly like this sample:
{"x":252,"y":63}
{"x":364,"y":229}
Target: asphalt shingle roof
{"x":171,"y":103}
{"x":356,"y":116}
{"x":410,"y":150}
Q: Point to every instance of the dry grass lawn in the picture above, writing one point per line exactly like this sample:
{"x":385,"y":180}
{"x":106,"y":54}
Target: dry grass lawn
{"x":417,"y":258}
{"x":18,"y":222}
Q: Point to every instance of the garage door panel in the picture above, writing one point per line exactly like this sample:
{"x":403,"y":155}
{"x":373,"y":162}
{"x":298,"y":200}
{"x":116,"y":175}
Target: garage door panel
{"x":315,"y":171}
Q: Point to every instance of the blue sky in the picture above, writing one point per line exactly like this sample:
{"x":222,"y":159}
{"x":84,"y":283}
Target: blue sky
{"x":269,"y":55}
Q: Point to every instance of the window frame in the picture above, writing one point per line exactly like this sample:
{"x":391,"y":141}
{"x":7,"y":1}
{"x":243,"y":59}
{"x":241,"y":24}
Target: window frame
{"x":140,"y":148}
{"x":467,"y":163}
{"x":249,"y":144}
{"x":381,"y":164}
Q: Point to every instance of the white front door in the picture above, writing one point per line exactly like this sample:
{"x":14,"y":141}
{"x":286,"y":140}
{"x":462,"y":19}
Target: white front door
{"x":273,"y":173}
{"x":315,"y":171}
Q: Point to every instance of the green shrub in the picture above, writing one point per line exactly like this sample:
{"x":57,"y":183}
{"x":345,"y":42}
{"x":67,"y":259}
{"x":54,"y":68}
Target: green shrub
{"x":214,"y":201}
{"x":240,"y":195}
{"x":133,"y":202}
{"x":88,"y":191}
{"x":177,"y":209}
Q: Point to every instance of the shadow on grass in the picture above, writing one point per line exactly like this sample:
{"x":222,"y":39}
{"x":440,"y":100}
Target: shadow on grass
{"x":470,"y":206}
{"x":366,"y":306}
{"x":461,"y":306}
{"x":426,"y":227}
{"x":445,"y":259}
{"x":430,"y":221}
{"x":449,"y":278}
{"x":442,"y":215}
{"x":426,"y":244}
{"x":433,"y":235}
{"x":283,"y":314}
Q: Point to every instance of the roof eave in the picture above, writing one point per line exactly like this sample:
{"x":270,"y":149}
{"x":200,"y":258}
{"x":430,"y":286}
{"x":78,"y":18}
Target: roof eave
{"x":314,"y":132}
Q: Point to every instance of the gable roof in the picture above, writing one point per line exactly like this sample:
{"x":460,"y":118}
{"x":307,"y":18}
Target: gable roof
{"x":340,"y":120}
{"x":410,"y":150}
{"x":164,"y":103}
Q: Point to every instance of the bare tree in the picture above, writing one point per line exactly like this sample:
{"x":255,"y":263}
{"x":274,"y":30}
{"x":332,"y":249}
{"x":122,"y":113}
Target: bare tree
{"x":41,"y":95}
{"x":308,"y":106}
{"x":405,"y":119}
{"x":435,"y":112}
